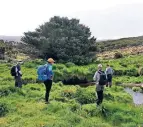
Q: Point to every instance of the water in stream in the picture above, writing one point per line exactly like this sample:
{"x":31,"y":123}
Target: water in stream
{"x":137,"y":96}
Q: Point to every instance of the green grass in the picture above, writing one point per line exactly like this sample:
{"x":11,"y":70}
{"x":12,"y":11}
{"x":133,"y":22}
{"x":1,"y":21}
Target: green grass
{"x":71,"y":106}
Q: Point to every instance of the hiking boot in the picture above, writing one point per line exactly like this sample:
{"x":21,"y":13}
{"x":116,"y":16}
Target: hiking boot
{"x":47,"y":102}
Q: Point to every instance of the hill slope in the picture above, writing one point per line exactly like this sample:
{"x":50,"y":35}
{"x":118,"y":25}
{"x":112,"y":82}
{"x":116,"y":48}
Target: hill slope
{"x":119,"y":43}
{"x":11,"y":38}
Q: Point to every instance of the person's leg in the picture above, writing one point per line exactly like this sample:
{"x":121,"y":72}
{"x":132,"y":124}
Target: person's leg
{"x":100,"y":97}
{"x":19,"y":81}
{"x":48,"y":85}
{"x":107,"y":84}
{"x":46,"y":95}
{"x":110,"y":83}
{"x":16,"y":81}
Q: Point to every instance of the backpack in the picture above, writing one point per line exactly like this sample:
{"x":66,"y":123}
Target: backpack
{"x":103,"y":79}
{"x":42,"y":72}
{"x":13,"y":71}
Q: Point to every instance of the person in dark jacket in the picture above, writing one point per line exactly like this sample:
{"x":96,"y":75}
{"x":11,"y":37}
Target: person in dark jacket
{"x":18,"y":80}
{"x":48,"y":82}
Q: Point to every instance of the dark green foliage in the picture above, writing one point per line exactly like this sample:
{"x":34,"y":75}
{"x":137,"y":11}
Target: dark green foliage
{"x":118,"y":55}
{"x":69,"y":64}
{"x":63,"y":39}
{"x":140,"y":71}
{"x":3,"y":109}
{"x":131,"y":72}
{"x":83,"y":96}
{"x":7,"y":90}
{"x":73,"y":80}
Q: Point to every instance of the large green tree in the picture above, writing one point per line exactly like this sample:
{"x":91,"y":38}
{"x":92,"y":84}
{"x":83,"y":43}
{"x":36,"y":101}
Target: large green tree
{"x":63,"y":39}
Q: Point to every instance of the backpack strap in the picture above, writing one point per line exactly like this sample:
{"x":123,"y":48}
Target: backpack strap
{"x":100,"y":72}
{"x":47,"y":67}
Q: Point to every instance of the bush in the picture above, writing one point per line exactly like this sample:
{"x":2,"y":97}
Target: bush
{"x":3,"y":109}
{"x":123,"y":64}
{"x":118,"y":72}
{"x":70,"y":64}
{"x":140,"y":71}
{"x":118,"y":55}
{"x":69,"y":93}
{"x":117,"y":119}
{"x":83,"y":96}
{"x":30,"y":79}
{"x":58,"y":76}
{"x":136,"y":89}
{"x":29,"y":65}
{"x":131,"y":72}
{"x":5,"y":91}
{"x":73,"y":80}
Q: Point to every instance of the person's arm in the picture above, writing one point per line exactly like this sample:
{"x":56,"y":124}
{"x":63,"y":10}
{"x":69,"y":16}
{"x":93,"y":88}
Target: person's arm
{"x":16,"y":70}
{"x":106,"y":71}
{"x":112,"y":71}
{"x":95,"y":76}
{"x":19,"y":70}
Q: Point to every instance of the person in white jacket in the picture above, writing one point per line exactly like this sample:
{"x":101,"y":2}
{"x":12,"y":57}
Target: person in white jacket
{"x":99,"y":88}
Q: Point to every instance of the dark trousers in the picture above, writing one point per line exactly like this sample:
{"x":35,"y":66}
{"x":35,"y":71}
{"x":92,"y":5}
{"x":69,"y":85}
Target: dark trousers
{"x":109,"y":80}
{"x":100,"y":97}
{"x":18,"y":81}
{"x":48,"y":85}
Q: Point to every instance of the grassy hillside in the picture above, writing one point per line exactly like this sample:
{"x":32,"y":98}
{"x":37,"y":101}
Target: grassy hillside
{"x":120,"y":43}
{"x":71,"y":105}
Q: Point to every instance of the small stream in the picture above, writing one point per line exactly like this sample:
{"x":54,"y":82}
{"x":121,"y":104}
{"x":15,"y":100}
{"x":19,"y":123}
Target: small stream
{"x":137,"y":96}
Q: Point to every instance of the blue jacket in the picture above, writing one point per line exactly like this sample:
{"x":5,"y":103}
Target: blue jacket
{"x":49,"y":71}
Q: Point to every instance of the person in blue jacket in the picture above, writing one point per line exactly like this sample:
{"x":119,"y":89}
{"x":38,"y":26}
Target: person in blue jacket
{"x":48,"y":82}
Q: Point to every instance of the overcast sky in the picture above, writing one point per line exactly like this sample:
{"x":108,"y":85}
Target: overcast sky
{"x":106,"y":18}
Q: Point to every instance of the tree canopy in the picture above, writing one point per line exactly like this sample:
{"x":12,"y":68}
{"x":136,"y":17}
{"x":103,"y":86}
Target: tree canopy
{"x":63,"y":39}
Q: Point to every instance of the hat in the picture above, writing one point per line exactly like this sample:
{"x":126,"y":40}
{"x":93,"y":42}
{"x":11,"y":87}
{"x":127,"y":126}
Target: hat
{"x":50,"y":60}
{"x":19,"y":62}
{"x":99,"y":65}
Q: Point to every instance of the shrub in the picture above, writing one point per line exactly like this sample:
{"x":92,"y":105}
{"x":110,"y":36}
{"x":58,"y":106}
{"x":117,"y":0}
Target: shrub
{"x":83,"y":96}
{"x":3,"y":109}
{"x":136,"y":89}
{"x":117,"y":119}
{"x":118,"y":55}
{"x":30,"y":79}
{"x":140,"y":71}
{"x":5,"y":91}
{"x":131,"y":72}
{"x":58,"y":76}
{"x":70,"y":64}
{"x":69,"y":93}
{"x":118,"y":72}
{"x":73,"y":80}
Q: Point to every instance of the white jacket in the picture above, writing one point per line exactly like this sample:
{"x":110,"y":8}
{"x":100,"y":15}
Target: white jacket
{"x":96,"y":78}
